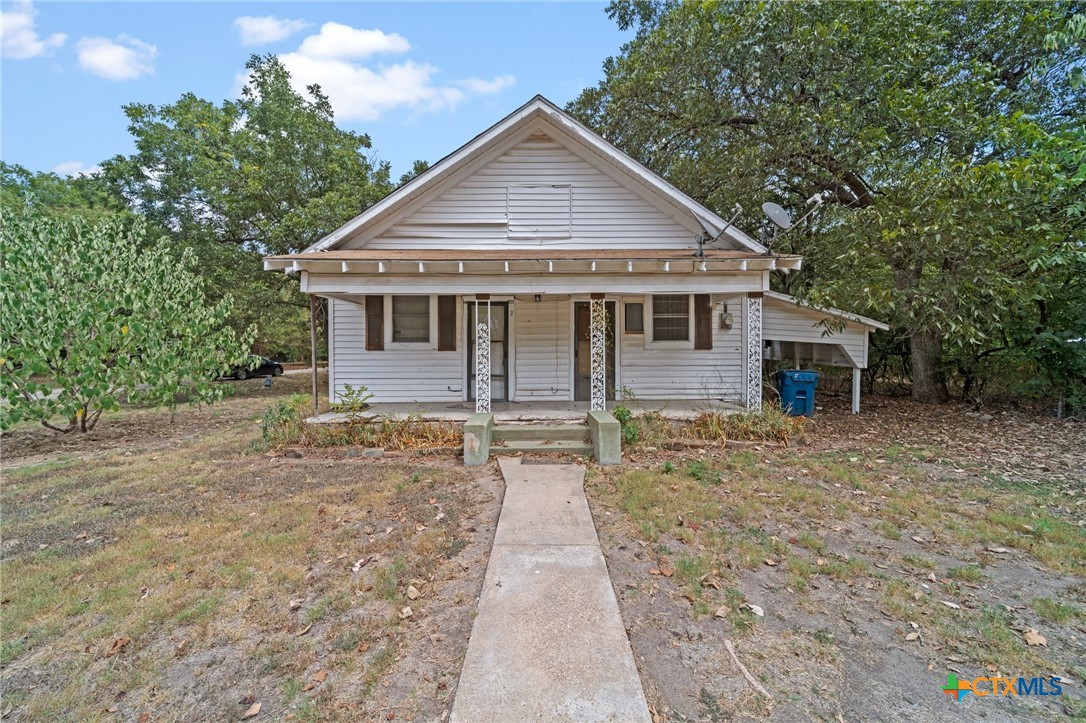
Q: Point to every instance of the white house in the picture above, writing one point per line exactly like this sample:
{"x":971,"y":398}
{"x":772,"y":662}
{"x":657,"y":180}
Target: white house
{"x":539,"y":262}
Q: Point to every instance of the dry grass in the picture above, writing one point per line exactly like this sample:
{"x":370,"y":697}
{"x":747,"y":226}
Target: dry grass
{"x":283,"y":423}
{"x":194,"y":553}
{"x":777,"y":509}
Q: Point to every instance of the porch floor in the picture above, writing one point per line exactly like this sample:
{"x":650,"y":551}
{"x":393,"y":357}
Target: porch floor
{"x":534,"y":411}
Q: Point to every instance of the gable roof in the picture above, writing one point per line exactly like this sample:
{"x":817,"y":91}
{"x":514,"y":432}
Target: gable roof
{"x":538,"y":113}
{"x":847,"y":316}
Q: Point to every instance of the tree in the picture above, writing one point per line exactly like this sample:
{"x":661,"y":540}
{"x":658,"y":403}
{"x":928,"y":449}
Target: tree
{"x":939,"y":133}
{"x":93,"y":312}
{"x":264,"y":174}
{"x":53,"y":195}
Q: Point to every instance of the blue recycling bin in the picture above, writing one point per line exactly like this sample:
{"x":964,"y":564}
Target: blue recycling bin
{"x":797,"y":390}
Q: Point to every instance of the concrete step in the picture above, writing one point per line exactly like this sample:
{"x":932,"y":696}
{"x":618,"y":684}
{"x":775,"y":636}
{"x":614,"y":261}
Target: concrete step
{"x":541,"y":432}
{"x":564,"y":446}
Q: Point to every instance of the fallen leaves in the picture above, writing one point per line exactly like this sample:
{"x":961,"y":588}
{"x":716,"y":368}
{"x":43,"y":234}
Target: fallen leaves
{"x":771,"y":562}
{"x":305,"y":630}
{"x":253,"y":712}
{"x":118,"y":645}
{"x":951,"y":605}
{"x":406,"y":612}
{"x":1032,"y":637}
{"x":412,"y":592}
{"x":754,"y":609}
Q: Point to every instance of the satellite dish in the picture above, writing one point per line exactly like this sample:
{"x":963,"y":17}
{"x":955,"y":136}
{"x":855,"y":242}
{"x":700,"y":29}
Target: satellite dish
{"x":777,"y":215}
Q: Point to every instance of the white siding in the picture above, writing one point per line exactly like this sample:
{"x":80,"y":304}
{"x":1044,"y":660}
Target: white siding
{"x":392,"y":375}
{"x":473,"y":214}
{"x":542,"y":346}
{"x":661,"y":373}
{"x":784,"y":322}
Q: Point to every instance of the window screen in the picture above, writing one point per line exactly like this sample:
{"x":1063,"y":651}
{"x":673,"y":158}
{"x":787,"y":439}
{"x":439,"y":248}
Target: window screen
{"x":410,"y":318}
{"x":671,"y":317}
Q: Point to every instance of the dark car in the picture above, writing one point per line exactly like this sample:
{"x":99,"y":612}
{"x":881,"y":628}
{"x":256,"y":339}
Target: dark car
{"x":259,"y":367}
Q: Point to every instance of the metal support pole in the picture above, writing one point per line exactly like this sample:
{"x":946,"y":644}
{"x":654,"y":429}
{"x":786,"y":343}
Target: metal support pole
{"x":597,"y":334}
{"x":855,"y":390}
{"x":313,"y":348}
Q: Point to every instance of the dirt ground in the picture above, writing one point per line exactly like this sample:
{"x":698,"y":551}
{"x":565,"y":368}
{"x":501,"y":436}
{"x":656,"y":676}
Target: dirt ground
{"x":167,"y":567}
{"x":852,"y":548}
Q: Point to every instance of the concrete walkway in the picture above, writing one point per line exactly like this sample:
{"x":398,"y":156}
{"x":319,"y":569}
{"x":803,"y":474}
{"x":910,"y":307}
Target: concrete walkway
{"x":548,"y":643}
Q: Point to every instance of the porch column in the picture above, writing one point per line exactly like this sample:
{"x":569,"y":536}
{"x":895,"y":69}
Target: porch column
{"x":482,"y":355}
{"x":313,"y":352}
{"x":597,"y":336}
{"x":753,"y":310}
{"x":855,"y":390}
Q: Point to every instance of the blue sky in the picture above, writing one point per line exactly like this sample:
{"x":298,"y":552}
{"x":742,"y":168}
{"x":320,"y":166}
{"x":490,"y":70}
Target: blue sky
{"x":420,"y":78}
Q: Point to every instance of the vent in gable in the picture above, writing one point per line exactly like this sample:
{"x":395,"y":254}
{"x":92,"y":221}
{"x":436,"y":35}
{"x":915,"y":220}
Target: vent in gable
{"x":540,"y":211}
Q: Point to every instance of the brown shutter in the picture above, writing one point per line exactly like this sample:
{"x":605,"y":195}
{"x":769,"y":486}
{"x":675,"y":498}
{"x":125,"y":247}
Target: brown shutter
{"x":446,"y":323}
{"x":375,"y":323}
{"x":703,"y":321}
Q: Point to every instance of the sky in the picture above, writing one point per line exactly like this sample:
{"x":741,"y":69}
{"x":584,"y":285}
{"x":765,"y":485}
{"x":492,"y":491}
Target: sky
{"x":420,"y":78}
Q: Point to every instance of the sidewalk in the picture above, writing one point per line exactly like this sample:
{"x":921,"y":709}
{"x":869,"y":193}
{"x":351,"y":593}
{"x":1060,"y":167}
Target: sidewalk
{"x":548,"y":642}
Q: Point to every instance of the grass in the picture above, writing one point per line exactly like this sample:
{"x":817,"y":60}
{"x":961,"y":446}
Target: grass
{"x":1056,"y":611}
{"x":725,"y":531}
{"x":199,"y":548}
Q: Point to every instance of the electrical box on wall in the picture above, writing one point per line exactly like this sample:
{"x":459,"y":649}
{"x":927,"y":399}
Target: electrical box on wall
{"x":726,"y":321}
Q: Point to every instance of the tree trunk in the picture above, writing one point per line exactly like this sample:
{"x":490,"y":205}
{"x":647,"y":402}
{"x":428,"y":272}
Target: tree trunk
{"x":929,"y":379}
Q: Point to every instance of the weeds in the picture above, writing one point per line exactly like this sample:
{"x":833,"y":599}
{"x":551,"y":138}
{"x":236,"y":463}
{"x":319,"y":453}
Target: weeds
{"x":768,"y":425}
{"x":284,"y":424}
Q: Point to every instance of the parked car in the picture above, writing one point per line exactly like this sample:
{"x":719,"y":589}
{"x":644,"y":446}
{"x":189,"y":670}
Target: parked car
{"x":260,"y":366}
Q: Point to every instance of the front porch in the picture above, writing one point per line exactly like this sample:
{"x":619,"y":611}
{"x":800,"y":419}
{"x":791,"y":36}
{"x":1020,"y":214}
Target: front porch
{"x":551,"y":412}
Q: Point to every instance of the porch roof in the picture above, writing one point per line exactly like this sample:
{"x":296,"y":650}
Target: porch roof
{"x":362,"y":261}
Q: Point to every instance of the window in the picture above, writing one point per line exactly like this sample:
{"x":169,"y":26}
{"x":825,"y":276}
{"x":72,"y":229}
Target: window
{"x":411,"y":319}
{"x":635,"y":318}
{"x":671,"y":317}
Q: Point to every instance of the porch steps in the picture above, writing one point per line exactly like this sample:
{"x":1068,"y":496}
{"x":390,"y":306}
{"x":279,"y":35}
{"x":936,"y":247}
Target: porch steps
{"x":552,"y":432}
{"x":563,"y":438}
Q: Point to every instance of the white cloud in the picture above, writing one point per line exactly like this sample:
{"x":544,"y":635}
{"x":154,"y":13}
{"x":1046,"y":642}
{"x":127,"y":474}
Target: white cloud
{"x":487,"y":87}
{"x":361,"y":93}
{"x":266,"y":29}
{"x":76,"y":168}
{"x":364,"y":92}
{"x":336,"y":41}
{"x":18,"y":37}
{"x":124,"y":58}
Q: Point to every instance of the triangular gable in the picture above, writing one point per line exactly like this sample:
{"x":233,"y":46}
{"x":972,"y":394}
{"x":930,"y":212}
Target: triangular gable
{"x":539,"y":117}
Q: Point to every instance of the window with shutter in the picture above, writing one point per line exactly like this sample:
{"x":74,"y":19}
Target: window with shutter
{"x":671,"y":317}
{"x":411,"y":319}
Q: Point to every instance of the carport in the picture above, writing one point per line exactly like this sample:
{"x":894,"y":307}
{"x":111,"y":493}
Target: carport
{"x":793,"y":331}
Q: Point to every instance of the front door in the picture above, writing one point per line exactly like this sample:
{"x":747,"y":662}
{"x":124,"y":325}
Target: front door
{"x":499,"y":349}
{"x":582,"y":351}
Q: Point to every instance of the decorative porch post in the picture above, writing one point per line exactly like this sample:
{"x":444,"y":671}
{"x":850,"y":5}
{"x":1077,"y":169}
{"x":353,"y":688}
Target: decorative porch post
{"x":482,"y":357}
{"x":597,"y":336}
{"x":754,"y":351}
{"x":313,"y":306}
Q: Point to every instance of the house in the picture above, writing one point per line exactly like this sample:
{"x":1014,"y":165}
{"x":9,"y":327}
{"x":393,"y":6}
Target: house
{"x":540,"y":263}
